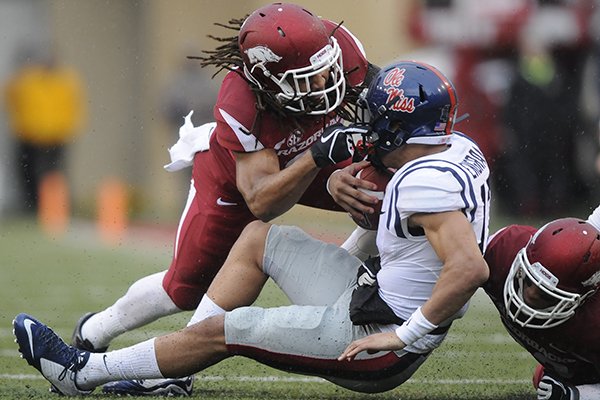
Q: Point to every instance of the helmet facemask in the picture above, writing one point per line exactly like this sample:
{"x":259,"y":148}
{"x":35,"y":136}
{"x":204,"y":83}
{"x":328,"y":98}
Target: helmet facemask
{"x":294,"y":85}
{"x":384,"y":133}
{"x":522,"y":274}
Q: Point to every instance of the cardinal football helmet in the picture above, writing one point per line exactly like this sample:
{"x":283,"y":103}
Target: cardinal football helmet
{"x":409,"y":102}
{"x":283,"y":47}
{"x":563,"y":260}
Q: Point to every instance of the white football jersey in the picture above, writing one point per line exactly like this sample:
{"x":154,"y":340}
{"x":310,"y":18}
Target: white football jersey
{"x":455,"y":179}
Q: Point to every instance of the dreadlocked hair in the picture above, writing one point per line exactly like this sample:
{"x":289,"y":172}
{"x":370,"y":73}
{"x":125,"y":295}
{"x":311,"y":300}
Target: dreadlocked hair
{"x":227,"y":56}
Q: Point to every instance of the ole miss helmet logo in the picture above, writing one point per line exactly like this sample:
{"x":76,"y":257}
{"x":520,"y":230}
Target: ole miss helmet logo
{"x":396,"y":100}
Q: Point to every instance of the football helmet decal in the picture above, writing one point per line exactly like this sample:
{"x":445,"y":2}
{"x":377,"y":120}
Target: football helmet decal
{"x":284,"y":47}
{"x":563,"y":260}
{"x":409,"y":102}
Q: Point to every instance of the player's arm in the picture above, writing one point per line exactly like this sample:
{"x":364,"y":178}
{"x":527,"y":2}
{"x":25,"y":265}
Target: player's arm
{"x":268,"y":190}
{"x":452,"y":237}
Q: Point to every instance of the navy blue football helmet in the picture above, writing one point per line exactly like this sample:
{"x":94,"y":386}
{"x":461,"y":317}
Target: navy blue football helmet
{"x":409,"y":102}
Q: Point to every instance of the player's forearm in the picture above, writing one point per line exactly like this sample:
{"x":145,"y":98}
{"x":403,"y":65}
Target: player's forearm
{"x":453,"y":290}
{"x":275,"y":194}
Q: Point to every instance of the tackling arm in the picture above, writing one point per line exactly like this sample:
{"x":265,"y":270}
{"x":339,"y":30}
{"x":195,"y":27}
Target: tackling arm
{"x":268,"y":190}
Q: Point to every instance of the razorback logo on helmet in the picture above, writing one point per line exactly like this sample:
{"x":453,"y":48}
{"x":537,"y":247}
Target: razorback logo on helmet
{"x":401,"y":103}
{"x":261,"y":55}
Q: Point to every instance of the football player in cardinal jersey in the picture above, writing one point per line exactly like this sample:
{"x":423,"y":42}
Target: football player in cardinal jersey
{"x":544,"y":283}
{"x":431,"y":235}
{"x":292,"y":77}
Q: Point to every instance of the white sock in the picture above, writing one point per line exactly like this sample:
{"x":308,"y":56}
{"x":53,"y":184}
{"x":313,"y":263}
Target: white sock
{"x":135,"y":362}
{"x":361,"y":243}
{"x":207,"y":308}
{"x":145,"y":302}
{"x":589,"y":392}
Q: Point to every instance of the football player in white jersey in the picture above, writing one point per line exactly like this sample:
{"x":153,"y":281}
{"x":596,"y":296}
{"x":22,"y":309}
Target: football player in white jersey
{"x":431,"y":235}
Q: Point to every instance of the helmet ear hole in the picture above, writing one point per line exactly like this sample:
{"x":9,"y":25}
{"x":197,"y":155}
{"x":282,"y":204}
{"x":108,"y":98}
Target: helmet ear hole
{"x":422,"y":95}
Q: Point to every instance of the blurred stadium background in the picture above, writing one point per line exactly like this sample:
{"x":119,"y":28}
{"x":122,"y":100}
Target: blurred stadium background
{"x":130,"y":55}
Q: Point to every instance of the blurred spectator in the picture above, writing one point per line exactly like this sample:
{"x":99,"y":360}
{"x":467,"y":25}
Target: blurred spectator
{"x":537,"y":172}
{"x":46,"y":108}
{"x":190,"y":88}
{"x":595,"y":78}
{"x":534,"y":161}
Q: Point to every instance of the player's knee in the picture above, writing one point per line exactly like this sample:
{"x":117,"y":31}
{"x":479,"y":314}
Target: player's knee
{"x":252,"y":240}
{"x":255,"y":231}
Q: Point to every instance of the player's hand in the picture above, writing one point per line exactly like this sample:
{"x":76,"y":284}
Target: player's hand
{"x":372,"y":344}
{"x":552,"y":389}
{"x":335,"y":145}
{"x":344,"y":188}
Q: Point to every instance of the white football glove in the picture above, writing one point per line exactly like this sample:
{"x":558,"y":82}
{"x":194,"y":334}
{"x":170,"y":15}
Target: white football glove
{"x":551,"y":389}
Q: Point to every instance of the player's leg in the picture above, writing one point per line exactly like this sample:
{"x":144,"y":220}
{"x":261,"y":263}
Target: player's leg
{"x":308,"y":338}
{"x":241,"y":278}
{"x":73,"y":372}
{"x":292,"y":258}
{"x":144,"y":302}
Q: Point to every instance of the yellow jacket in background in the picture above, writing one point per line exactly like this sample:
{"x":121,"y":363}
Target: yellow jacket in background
{"x":46,"y":106}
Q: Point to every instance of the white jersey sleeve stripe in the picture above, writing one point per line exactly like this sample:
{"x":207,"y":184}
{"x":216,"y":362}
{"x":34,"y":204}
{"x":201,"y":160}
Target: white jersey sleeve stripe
{"x":468,"y":203}
{"x":471,"y":201}
{"x":458,"y":175}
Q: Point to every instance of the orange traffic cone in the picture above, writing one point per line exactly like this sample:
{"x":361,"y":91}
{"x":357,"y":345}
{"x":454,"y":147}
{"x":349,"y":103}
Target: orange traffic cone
{"x":54,"y":204}
{"x":112,"y":210}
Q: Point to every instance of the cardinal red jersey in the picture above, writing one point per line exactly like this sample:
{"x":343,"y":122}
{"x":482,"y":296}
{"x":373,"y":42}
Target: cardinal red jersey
{"x":570,"y":350}
{"x":216,"y":212}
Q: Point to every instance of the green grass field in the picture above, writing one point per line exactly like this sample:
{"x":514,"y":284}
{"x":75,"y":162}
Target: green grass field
{"x":58,"y":279}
